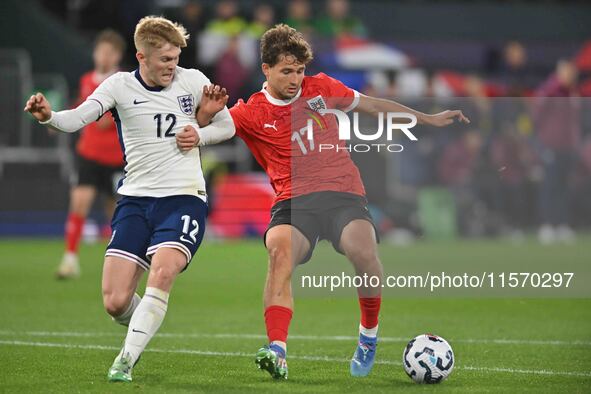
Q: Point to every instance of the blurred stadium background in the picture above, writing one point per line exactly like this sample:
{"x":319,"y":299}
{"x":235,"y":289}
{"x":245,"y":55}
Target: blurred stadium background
{"x":488,"y":194}
{"x":502,"y":177}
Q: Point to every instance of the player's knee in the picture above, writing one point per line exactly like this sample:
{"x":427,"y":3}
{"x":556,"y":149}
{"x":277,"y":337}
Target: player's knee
{"x":362,"y":255}
{"x":279,"y":258}
{"x":166,"y":265}
{"x":162,"y":274}
{"x":278,"y":253}
{"x":115,"y":303}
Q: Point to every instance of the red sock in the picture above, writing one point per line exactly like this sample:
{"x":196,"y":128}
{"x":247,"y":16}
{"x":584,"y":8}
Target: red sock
{"x":277,"y":319}
{"x":74,"y":226}
{"x":370,"y":309}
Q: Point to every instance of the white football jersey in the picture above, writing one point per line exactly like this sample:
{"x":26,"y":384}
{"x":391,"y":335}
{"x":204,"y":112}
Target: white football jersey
{"x":147,"y":120}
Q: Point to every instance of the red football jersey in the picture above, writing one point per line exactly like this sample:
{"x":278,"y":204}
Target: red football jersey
{"x":276,"y":133}
{"x":96,"y":143}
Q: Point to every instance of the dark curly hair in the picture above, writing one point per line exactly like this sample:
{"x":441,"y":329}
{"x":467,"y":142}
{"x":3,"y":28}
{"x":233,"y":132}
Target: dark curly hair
{"x":284,"y":40}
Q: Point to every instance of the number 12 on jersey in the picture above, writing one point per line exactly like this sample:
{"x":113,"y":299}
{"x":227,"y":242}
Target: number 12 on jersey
{"x":170,"y":119}
{"x":186,"y":219}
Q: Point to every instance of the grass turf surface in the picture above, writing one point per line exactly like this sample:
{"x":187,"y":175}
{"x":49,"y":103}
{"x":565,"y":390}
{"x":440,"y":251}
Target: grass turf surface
{"x":55,"y":336}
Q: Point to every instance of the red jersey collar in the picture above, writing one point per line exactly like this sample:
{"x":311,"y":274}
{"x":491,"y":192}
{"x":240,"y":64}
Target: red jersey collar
{"x":280,"y":102}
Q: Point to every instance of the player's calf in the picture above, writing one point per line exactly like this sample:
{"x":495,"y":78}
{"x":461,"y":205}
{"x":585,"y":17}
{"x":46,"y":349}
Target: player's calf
{"x":120,"y":279}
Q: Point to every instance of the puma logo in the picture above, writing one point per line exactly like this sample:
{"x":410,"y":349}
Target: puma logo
{"x":272,"y":126}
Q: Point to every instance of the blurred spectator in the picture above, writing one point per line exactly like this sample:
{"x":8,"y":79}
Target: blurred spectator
{"x":215,"y":39}
{"x":459,"y":160}
{"x":456,"y":169}
{"x":582,"y":184}
{"x":229,"y":45}
{"x":483,"y":180}
{"x":298,"y":16}
{"x":514,"y":73}
{"x":411,"y":83}
{"x":583,"y":58}
{"x":230,"y":72}
{"x":337,"y":22}
{"x":381,"y":84}
{"x":227,"y":21}
{"x":557,"y":119}
{"x":513,"y":160}
{"x":227,"y":48}
{"x":262,"y":19}
{"x":475,"y":88}
{"x":99,"y":158}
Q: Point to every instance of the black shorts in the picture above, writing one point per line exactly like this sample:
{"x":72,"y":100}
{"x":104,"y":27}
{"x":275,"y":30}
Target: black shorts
{"x":321,"y":215}
{"x":91,"y":173}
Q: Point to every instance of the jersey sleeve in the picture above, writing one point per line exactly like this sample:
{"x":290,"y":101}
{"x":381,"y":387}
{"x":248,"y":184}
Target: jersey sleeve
{"x":72,"y":120}
{"x":105,"y":95}
{"x":240,"y":117}
{"x":342,"y":97}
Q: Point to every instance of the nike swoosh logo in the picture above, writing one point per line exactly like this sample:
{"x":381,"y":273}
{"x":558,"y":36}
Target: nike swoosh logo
{"x":186,"y":240}
{"x":139,"y":102}
{"x":141,"y":332}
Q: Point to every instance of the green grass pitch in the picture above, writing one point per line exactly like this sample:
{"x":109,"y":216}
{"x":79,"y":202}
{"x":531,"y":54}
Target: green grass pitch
{"x":55,"y":336}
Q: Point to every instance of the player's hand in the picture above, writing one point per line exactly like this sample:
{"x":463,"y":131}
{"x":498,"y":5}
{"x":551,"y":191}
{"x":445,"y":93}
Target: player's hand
{"x":446,"y":118}
{"x":213,"y":100}
{"x":187,"y":139}
{"x":39,"y":107}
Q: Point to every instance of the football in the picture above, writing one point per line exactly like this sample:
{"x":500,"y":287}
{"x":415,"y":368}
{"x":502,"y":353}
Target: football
{"x":428,"y":359}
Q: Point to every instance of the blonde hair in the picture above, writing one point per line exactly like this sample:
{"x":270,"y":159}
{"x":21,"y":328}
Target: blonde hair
{"x":156,"y":31}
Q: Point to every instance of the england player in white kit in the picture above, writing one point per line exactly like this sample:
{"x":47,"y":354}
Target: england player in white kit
{"x":160,"y":220}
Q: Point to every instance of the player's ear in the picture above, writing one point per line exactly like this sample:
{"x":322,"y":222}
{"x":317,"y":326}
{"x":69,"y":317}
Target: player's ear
{"x":265,"y":68}
{"x":140,"y":56}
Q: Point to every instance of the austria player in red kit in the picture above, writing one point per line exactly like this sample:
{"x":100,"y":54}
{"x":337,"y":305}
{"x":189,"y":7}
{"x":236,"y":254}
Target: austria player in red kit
{"x":319,"y":194}
{"x":99,"y":159}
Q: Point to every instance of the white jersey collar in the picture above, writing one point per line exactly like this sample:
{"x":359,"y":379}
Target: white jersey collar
{"x":144,"y":84}
{"x":277,"y":101}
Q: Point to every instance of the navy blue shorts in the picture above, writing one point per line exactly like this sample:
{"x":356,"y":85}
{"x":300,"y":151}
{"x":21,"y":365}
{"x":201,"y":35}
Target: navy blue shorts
{"x":141,"y":225}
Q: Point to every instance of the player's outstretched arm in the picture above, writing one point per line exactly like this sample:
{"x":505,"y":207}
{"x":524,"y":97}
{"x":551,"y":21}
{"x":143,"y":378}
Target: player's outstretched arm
{"x":68,"y":121}
{"x":374,"y":106}
{"x":39,"y":107}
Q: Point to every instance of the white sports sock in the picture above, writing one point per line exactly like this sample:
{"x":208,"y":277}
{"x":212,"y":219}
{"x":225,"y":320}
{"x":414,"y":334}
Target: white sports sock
{"x":125,"y":317}
{"x":368,"y":332}
{"x":145,"y":321}
{"x":281,"y":344}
